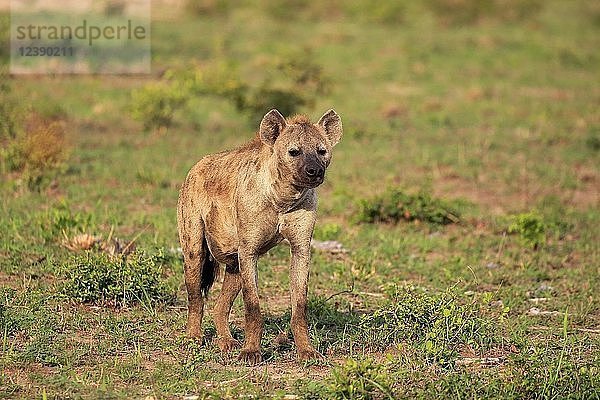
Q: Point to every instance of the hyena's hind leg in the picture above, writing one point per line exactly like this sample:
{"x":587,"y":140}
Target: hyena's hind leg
{"x":232,"y":284}
{"x":195,"y":257}
{"x":193,"y":260}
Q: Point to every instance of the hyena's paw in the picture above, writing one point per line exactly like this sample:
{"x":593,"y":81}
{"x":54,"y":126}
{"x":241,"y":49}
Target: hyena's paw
{"x":228,"y":344}
{"x":195,"y":334}
{"x":250,"y":356}
{"x":309,"y":353}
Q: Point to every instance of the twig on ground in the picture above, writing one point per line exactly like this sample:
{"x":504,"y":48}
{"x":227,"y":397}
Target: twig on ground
{"x":136,"y":237}
{"x":350,"y":290}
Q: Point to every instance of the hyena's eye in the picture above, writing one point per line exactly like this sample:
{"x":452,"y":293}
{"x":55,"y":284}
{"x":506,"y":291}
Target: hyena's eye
{"x":321,"y":151}
{"x":294,"y":152}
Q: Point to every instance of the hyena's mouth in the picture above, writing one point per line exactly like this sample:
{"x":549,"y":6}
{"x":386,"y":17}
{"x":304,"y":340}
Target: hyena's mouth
{"x":309,"y":183}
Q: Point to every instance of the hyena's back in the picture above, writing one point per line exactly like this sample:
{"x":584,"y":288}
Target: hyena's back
{"x":206,"y":199}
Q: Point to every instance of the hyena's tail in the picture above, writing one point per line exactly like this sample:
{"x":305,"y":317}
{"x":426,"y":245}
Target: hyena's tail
{"x":210,"y":269}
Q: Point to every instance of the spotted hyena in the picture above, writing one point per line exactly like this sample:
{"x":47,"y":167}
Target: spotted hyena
{"x":236,"y":205}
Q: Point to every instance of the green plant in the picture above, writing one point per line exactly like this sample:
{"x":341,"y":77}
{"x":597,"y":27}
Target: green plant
{"x":98,"y":278}
{"x":4,"y":38}
{"x":34,"y":144}
{"x":36,"y":147}
{"x":289,"y":83}
{"x":209,"y":7}
{"x":11,"y":112}
{"x":387,"y":12}
{"x":155,"y":104}
{"x":360,"y":380}
{"x":592,"y":140}
{"x":436,"y":324}
{"x":395,"y":205}
{"x":62,"y":220}
{"x":551,"y":376}
{"x":530,"y":227}
{"x":458,"y":12}
{"x":324,"y":315}
{"x":311,"y":389}
{"x":114,"y":8}
{"x":8,"y":322}
{"x":327,"y":231}
{"x":25,"y":310}
{"x":46,"y":348}
{"x":300,"y":9}
{"x":303,"y":73}
{"x":265,"y":97}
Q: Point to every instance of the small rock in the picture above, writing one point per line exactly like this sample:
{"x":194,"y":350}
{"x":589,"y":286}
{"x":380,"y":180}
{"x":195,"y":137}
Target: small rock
{"x":497,"y":303}
{"x":492,"y":265}
{"x":329,"y":246}
{"x":534,"y":312}
{"x":536,"y":300}
{"x":545,"y":288}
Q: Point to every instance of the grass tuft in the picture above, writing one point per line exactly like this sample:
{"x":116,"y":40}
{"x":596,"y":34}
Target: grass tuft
{"x":360,"y":380}
{"x":437,"y":325}
{"x":531,"y":228}
{"x":289,"y":83}
{"x":155,"y":104}
{"x":61,"y":220}
{"x":100,"y":279}
{"x":395,"y":205}
{"x":37,"y":151}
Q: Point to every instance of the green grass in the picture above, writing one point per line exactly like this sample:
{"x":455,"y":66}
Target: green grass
{"x":493,"y":122}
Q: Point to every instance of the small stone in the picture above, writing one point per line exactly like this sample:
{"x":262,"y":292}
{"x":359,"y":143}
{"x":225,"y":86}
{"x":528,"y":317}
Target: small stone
{"x":328,"y":246}
{"x":545,"y":288}
{"x":497,"y":303}
{"x":534,"y":312}
{"x":492,"y":265}
{"x":536,"y":300}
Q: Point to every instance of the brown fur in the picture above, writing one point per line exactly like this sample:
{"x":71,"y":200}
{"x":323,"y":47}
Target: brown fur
{"x":236,"y":205}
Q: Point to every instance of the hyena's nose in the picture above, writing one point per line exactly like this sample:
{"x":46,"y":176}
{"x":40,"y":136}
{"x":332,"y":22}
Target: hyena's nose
{"x":314,"y":172}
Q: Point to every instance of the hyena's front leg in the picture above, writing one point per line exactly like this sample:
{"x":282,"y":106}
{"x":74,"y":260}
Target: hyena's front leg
{"x":297,"y":228}
{"x":299,"y":271}
{"x":250,"y":353}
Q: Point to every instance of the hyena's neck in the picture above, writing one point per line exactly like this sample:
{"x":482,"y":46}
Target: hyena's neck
{"x":282,"y":193}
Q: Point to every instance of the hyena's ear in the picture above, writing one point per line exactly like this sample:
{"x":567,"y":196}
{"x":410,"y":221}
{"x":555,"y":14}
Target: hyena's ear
{"x":271,"y":126}
{"x":332,"y":123}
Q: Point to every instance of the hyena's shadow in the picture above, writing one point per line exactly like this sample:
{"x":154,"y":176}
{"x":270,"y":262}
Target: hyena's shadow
{"x":331,"y":328}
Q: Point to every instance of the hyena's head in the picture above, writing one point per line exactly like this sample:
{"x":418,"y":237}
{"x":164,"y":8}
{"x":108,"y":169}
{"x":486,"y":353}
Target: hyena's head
{"x":301,"y":149}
